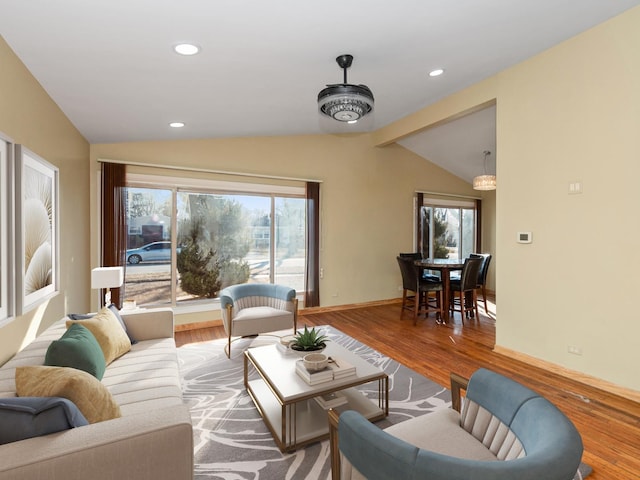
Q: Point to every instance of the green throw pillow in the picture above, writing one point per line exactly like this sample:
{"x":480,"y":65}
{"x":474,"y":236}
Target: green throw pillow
{"x":77,"y":348}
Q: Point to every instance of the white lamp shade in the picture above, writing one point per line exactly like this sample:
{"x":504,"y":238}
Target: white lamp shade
{"x":107,"y":277}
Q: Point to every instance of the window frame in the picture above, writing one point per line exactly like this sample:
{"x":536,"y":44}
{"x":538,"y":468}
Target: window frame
{"x":175,"y":184}
{"x":448,"y":203}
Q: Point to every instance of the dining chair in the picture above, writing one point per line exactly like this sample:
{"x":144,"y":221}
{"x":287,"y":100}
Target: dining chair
{"x":482,"y":275}
{"x":463,"y":291}
{"x":416,"y":290}
{"x":426,"y":274}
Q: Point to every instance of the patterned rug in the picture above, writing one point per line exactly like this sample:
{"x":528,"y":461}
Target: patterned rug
{"x":231,"y":442}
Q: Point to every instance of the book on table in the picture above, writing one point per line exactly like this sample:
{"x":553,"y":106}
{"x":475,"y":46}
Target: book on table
{"x":341,"y":368}
{"x":331,"y":400}
{"x":313,"y":377}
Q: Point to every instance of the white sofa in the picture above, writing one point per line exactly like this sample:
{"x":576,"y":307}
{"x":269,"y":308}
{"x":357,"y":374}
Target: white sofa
{"x":153,"y":438}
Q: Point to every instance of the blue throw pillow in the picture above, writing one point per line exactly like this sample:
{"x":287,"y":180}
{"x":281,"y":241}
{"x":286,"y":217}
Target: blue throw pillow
{"x":27,"y":417}
{"x":77,"y":348}
{"x":116,"y":312}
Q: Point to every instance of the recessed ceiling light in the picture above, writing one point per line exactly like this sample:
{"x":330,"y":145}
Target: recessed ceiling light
{"x":437,"y":72}
{"x":176,"y":124}
{"x":186,"y":49}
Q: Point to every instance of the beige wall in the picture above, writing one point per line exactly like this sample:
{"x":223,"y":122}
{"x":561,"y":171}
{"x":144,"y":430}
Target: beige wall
{"x":29,"y":117}
{"x":569,"y":114}
{"x":366,"y":198}
{"x":573,"y":114}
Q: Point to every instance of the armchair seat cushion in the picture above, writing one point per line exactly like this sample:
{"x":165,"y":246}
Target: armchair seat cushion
{"x":253,"y":320}
{"x":440,"y":432}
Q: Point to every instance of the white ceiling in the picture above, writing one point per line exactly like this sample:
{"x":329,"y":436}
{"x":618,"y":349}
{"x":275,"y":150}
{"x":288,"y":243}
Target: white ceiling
{"x":110,"y":66}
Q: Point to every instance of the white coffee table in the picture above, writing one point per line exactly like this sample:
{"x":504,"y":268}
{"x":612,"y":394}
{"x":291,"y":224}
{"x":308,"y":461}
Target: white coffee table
{"x":286,"y":402}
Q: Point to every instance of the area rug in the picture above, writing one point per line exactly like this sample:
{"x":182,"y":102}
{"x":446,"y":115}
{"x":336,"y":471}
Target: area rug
{"x":231,"y":442}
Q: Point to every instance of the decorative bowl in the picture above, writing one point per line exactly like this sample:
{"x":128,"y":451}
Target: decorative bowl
{"x":315,"y":361}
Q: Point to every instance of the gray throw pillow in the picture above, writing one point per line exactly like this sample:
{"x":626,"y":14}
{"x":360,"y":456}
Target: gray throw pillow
{"x":27,"y":417}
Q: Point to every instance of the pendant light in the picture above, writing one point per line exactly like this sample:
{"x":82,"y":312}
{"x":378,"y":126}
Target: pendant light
{"x":485,"y":182}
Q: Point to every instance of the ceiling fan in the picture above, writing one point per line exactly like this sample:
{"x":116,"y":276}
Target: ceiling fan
{"x":345,"y":102}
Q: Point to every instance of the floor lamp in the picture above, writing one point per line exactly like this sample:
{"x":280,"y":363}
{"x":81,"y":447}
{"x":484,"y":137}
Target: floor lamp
{"x":107,"y":277}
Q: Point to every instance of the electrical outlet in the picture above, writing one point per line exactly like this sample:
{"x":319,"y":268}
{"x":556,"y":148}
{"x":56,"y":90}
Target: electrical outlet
{"x":575,"y":350}
{"x":399,"y":288}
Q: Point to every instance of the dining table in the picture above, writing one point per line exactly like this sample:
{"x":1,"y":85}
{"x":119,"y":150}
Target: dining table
{"x":445,"y":266}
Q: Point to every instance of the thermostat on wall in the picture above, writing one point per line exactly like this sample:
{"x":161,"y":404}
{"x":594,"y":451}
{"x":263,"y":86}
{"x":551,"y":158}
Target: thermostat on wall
{"x":524,"y":237}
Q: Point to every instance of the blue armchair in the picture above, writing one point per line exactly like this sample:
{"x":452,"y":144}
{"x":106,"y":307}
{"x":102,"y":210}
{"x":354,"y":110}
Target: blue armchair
{"x":505,"y":431}
{"x":253,"y":308}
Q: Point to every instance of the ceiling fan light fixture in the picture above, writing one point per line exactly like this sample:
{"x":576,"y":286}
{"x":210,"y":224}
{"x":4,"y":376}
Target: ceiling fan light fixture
{"x":345,"y":102}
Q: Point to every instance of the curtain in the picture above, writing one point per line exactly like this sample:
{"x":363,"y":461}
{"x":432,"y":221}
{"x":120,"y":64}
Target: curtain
{"x":312,"y":293}
{"x":478,"y":225}
{"x":419,"y":223}
{"x":114,"y":221}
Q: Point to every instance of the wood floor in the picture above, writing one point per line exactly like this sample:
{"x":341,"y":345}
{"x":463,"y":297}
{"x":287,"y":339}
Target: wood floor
{"x":609,"y":424}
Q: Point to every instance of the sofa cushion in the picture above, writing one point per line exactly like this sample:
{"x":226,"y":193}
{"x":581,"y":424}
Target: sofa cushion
{"x":116,"y":312}
{"x":90,"y":396}
{"x":109,"y":333}
{"x":27,"y":417}
{"x":146,"y":378}
{"x":77,"y":348}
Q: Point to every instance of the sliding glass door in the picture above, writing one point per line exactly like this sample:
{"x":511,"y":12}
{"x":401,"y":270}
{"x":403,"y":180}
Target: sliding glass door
{"x":220,"y":239}
{"x":447,"y":231}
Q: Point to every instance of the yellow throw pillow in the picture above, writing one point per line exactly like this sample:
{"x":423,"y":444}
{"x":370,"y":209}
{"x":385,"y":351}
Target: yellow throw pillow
{"x":90,"y":396}
{"x":111,"y":337}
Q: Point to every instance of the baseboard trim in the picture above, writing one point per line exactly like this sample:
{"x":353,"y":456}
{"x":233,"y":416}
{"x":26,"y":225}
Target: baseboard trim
{"x":197,"y":325}
{"x":351,"y":306}
{"x":303,"y":311}
{"x":570,"y":374}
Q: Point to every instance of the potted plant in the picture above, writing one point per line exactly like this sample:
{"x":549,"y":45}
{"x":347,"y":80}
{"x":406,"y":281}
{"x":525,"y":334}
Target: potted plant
{"x":309,"y":341}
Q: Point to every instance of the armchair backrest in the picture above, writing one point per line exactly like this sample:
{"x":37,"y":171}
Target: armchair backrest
{"x":516,"y":422}
{"x":231,"y":295}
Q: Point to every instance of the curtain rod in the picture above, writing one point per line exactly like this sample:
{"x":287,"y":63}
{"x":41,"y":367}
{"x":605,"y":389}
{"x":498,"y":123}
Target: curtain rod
{"x":448,"y":195}
{"x":207,"y":170}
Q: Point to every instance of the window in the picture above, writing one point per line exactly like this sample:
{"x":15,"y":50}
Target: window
{"x":187,"y":242}
{"x":448,"y":228}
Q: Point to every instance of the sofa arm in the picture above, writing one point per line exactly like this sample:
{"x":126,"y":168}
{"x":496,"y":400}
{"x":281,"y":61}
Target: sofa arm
{"x":146,"y":324}
{"x":154,"y":445}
